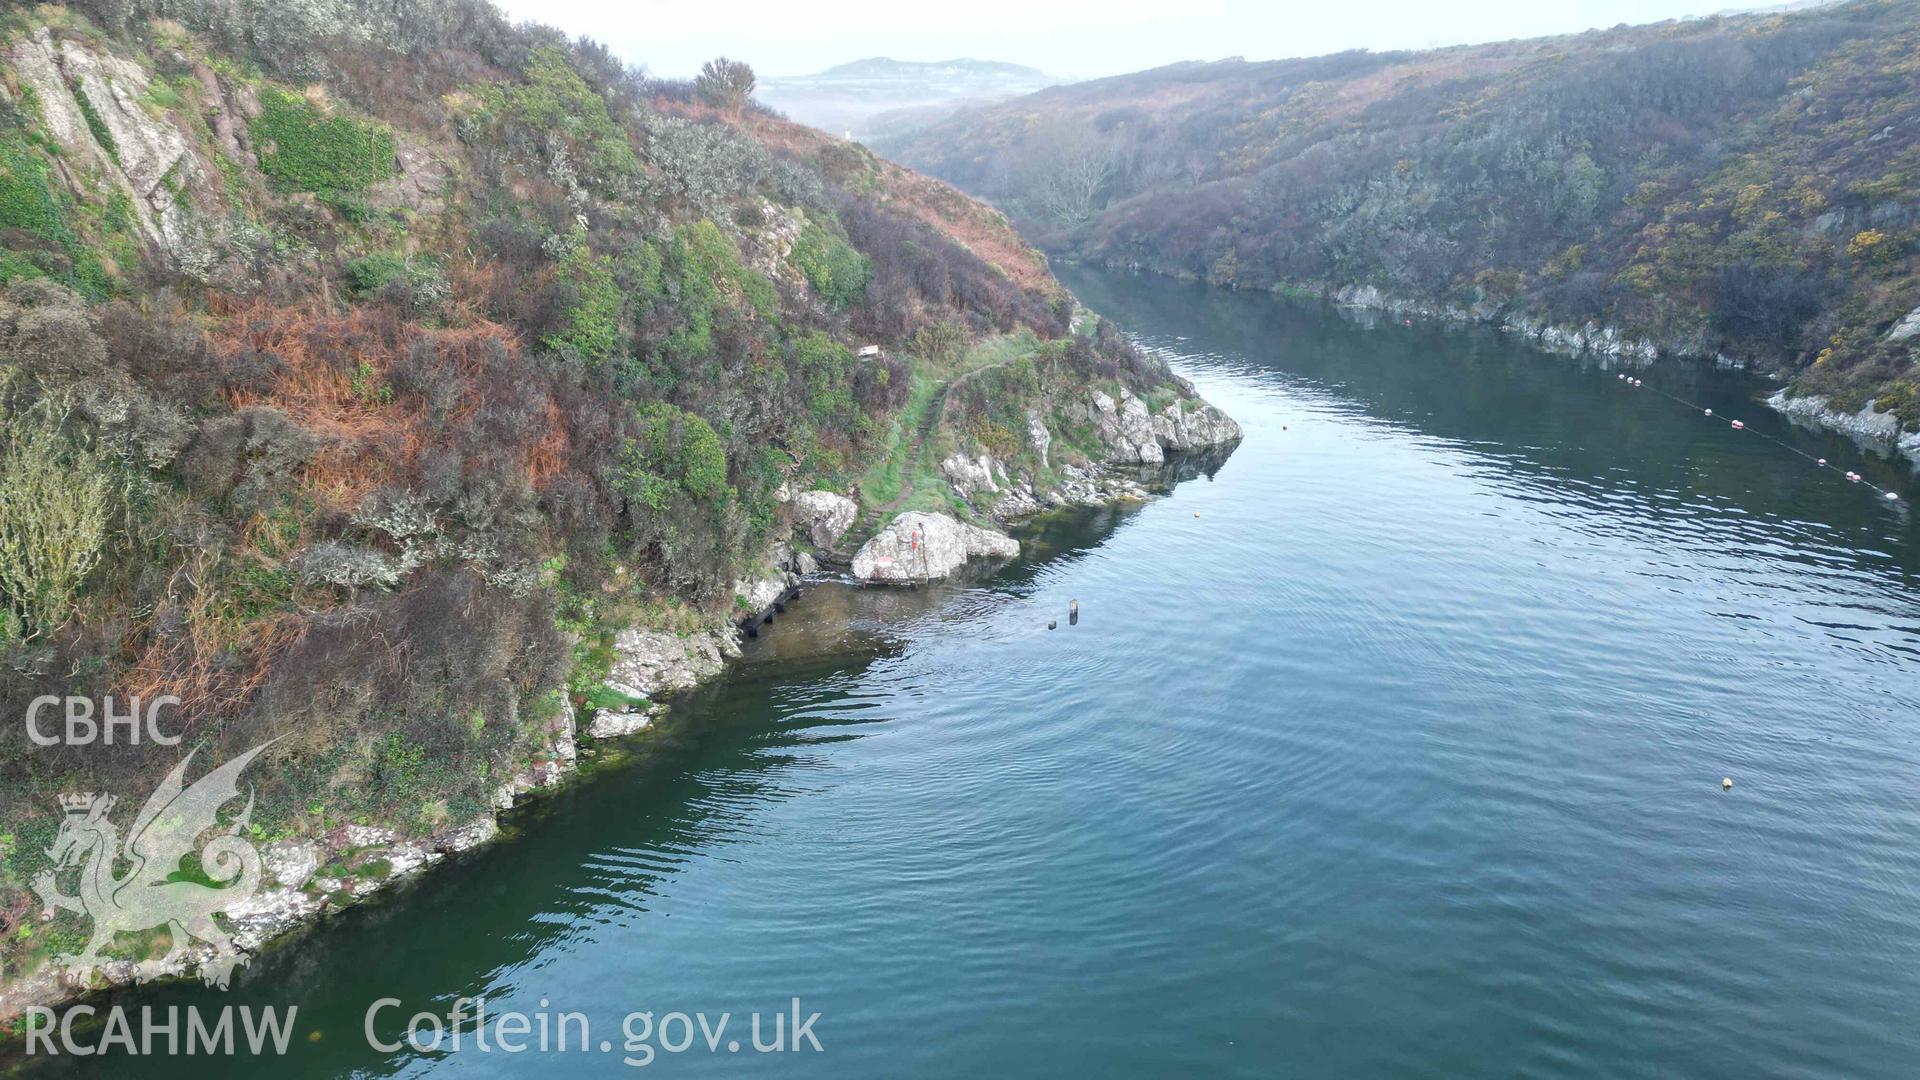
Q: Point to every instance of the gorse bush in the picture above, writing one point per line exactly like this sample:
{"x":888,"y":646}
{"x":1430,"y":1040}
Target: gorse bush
{"x":673,"y":451}
{"x":590,"y":327}
{"x":305,"y":149}
{"x":836,"y":272}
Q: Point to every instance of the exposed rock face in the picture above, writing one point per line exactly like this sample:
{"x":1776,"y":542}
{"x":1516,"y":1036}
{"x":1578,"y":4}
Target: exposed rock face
{"x":920,"y":546}
{"x":825,"y":515}
{"x":1138,"y":436}
{"x":1193,"y":425}
{"x":149,"y":158}
{"x":1907,"y":328}
{"x":148,"y":149}
{"x":469,"y":836}
{"x":652,"y":662}
{"x":1868,"y":425}
{"x":1126,"y":427}
{"x":970,"y":476}
{"x":1038,"y":435}
{"x":35,"y":61}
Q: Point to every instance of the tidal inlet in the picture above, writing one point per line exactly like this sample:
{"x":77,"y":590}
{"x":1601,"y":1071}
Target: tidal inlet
{"x":850,"y":540}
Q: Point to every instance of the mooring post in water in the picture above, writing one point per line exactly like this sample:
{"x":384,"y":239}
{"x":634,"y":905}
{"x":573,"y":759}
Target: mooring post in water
{"x":1073,"y":613}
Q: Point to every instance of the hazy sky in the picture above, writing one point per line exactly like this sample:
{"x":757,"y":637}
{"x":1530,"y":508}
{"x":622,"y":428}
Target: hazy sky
{"x":1077,"y":38}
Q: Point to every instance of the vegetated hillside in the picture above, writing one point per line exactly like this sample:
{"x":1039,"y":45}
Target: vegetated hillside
{"x":366,"y":365}
{"x":1746,"y":186}
{"x":885,"y":96}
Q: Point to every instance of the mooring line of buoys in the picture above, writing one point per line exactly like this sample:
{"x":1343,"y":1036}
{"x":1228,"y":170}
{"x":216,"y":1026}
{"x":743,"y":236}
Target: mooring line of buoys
{"x":1739,"y":425}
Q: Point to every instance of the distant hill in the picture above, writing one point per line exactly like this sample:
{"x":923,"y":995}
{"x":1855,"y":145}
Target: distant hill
{"x":1746,"y":186}
{"x":909,"y":94}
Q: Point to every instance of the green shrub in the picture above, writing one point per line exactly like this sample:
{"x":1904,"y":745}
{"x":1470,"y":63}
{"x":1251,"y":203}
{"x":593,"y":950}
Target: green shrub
{"x":828,"y":367}
{"x":837,"y":273}
{"x":305,"y":149}
{"x":674,"y":451}
{"x":592,"y":323}
{"x":28,"y":202}
{"x":53,"y":516}
{"x":556,"y":100}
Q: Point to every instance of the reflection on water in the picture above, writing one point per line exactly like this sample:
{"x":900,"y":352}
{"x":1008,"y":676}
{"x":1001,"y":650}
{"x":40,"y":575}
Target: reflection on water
{"x":1392,"y":744}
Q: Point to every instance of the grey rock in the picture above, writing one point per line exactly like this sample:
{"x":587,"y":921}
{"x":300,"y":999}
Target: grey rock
{"x":367,"y":836}
{"x":1869,"y":426}
{"x":1907,"y":328}
{"x":466,"y":837}
{"x":1038,"y":436}
{"x":36,"y":64}
{"x":921,"y":546}
{"x":655,"y":662}
{"x":290,"y":862}
{"x":608,"y":724}
{"x":970,"y":476}
{"x":271,"y":912}
{"x":825,"y":515}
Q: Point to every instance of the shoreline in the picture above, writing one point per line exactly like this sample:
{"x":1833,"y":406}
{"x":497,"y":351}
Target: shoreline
{"x":307,"y":890}
{"x":1871,"y":429}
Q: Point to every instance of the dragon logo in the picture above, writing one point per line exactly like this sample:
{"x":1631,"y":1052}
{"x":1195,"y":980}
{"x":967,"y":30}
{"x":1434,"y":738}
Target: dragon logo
{"x":156,"y":890}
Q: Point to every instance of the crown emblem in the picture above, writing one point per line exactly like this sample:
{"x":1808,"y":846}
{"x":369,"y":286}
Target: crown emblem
{"x":76,"y":804}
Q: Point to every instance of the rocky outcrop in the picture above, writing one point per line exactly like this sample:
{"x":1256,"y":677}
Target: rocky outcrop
{"x":927,"y":547}
{"x":648,"y":663}
{"x":1869,"y":425}
{"x":1136,"y":435}
{"x":1907,"y":328}
{"x":970,"y":476}
{"x":149,"y":159}
{"x":1191,"y":424}
{"x":1039,"y":437}
{"x":1125,"y":426}
{"x":824,"y":515}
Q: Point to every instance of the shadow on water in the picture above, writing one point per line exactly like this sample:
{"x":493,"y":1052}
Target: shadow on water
{"x":598,"y":853}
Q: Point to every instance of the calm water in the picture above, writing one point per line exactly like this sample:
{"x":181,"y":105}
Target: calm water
{"x":1402,"y":757}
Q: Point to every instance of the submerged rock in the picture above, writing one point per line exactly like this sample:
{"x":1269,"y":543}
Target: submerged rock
{"x":921,"y":546}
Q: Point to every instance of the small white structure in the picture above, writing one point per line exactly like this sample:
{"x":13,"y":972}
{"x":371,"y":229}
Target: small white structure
{"x":870,"y":352}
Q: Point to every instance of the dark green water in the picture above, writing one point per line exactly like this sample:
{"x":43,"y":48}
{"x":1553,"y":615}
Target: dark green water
{"x":1403,"y":757}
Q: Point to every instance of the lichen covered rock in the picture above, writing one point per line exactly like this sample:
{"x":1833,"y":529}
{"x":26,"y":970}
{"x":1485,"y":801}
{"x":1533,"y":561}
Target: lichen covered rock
{"x":927,"y":547}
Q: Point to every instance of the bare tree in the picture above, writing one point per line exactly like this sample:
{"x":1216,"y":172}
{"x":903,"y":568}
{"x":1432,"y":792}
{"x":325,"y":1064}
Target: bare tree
{"x":1070,"y":183}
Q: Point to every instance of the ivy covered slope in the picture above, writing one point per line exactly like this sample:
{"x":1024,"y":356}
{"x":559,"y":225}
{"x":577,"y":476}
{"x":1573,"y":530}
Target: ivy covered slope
{"x":368,"y":367}
{"x":1746,"y":186}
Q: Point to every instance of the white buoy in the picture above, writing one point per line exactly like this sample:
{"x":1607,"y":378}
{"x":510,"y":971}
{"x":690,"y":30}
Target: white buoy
{"x":1622,"y":375}
{"x":1822,"y":463}
{"x":1854,"y":477}
{"x":1891,"y":496}
{"x":1726,"y":783}
{"x":1709,"y":412}
{"x":1737,"y":425}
